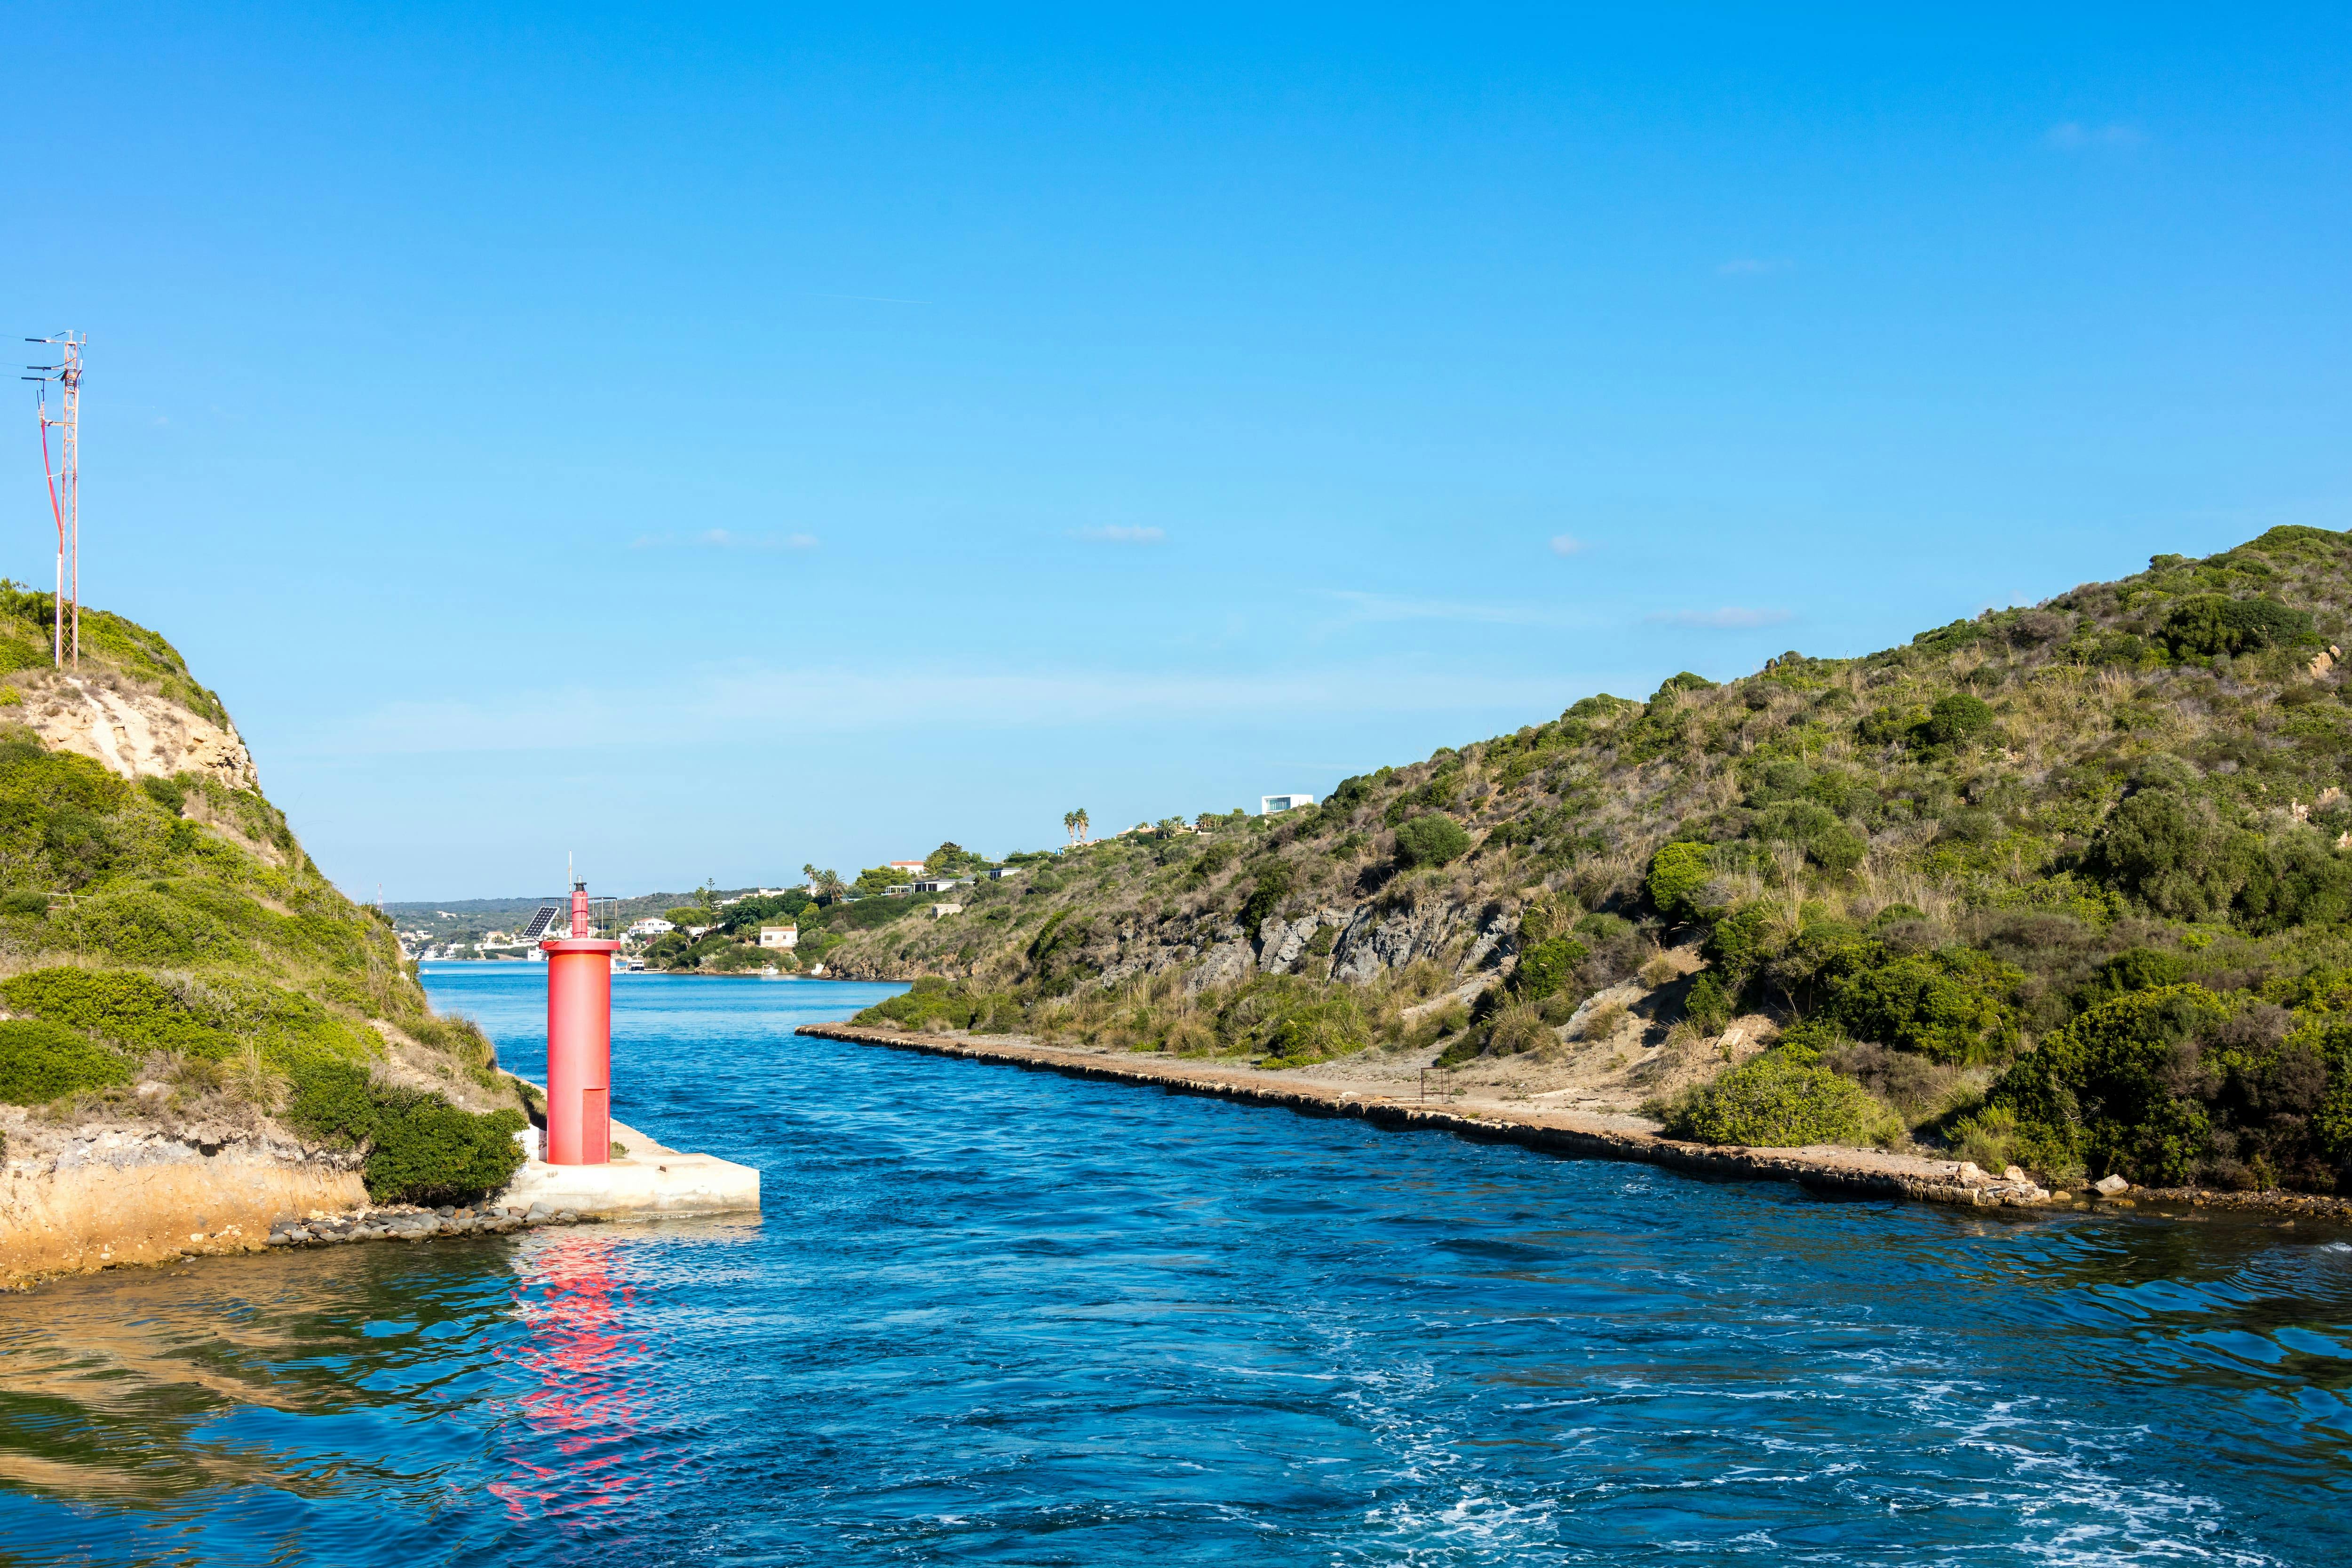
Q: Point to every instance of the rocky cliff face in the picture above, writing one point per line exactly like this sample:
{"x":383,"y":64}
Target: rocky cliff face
{"x":129,"y":732}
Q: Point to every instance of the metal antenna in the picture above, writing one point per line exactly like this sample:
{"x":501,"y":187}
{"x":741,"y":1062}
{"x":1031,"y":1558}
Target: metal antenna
{"x":65,"y":479}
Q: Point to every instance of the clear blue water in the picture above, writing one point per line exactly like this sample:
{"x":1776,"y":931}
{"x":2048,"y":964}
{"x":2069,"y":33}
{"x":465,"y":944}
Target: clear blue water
{"x":996,"y":1316}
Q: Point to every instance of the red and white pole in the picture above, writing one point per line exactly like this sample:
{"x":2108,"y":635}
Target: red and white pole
{"x":579,"y":1042}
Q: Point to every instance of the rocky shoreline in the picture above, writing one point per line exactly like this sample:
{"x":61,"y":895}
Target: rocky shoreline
{"x":403,"y":1223}
{"x":1855,"y":1172}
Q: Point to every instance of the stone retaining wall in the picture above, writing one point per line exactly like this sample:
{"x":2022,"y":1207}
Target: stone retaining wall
{"x":1857,"y":1172}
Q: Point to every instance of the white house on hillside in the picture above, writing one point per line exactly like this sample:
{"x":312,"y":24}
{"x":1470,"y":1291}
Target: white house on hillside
{"x":1267,"y":805}
{"x":779,"y":936}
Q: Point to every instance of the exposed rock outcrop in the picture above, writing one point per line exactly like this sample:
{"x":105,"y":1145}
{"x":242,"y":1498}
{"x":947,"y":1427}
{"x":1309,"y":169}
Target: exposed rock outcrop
{"x":114,"y":1195}
{"x":135,"y":733}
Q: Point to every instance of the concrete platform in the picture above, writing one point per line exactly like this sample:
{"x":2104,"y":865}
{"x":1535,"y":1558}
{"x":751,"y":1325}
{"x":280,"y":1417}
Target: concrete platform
{"x":649,"y":1179}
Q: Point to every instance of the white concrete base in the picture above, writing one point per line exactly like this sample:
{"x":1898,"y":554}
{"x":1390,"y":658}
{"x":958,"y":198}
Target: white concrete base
{"x":649,"y":1179}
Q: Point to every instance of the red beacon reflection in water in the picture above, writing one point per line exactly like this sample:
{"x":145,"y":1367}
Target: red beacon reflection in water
{"x":579,"y":1041}
{"x":573,"y":1301}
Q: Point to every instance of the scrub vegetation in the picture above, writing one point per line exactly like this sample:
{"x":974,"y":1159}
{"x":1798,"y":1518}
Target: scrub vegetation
{"x":171,"y":957}
{"x":2064,"y":885}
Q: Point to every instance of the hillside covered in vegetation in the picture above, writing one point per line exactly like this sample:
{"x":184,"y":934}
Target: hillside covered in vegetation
{"x":170,"y":960}
{"x":2066,"y":885}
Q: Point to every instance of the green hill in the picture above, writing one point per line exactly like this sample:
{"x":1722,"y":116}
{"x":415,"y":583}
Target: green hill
{"x":171,"y":958}
{"x":2066,"y":885}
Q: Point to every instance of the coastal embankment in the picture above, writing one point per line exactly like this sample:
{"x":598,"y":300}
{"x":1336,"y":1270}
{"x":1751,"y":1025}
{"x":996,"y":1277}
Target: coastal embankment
{"x":115,"y":1195}
{"x":1853,"y":1172}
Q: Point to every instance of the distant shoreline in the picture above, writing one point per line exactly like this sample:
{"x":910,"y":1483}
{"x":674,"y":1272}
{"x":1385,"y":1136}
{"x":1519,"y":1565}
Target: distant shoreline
{"x":666,"y":974}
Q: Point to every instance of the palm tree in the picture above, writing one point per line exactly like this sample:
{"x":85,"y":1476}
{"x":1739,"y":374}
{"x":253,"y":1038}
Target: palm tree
{"x":1080,"y":816}
{"x":1070,"y":826}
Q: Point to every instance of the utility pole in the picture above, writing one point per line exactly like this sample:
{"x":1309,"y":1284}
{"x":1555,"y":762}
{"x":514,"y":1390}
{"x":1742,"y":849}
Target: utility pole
{"x":64,"y":481}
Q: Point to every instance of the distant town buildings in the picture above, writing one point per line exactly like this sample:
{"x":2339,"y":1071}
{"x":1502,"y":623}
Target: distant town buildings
{"x":652,"y":925}
{"x":1268,"y":805}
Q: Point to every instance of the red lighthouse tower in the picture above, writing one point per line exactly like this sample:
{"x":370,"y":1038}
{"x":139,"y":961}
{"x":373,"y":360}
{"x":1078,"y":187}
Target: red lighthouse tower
{"x":579,"y":1041}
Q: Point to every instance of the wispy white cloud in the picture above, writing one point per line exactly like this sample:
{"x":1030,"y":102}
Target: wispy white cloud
{"x":1731,"y":616}
{"x":724,"y":539}
{"x":1121,"y":533}
{"x":723,"y":705}
{"x":1751,"y":267}
{"x":1369,"y":609}
{"x":2074,"y":136}
{"x":1567,"y":544}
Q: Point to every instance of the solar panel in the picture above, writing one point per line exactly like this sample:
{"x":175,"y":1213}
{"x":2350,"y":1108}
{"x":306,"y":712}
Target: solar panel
{"x":539,"y":921}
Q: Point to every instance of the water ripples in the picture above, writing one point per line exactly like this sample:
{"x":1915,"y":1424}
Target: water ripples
{"x":994,"y":1316}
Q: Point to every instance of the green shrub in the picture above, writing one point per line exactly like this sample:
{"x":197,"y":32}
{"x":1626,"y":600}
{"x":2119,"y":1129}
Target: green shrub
{"x":1989,"y":1138}
{"x":1430,"y":841}
{"x":1274,"y":883}
{"x":2103,"y":1092}
{"x":1548,"y":966}
{"x":138,"y":925}
{"x":1709,"y":1004}
{"x":2142,"y":969}
{"x":129,"y":1009}
{"x":1949,"y":1005}
{"x":420,"y":1148}
{"x":1959,"y":718}
{"x":2171,"y":851}
{"x":867,"y":914}
{"x":1777,"y":1102}
{"x":428,"y":1151}
{"x":1517,"y":1029}
{"x":2207,"y":624}
{"x":40,"y":1060}
{"x":1330,"y":1026}
{"x":2299,"y":878}
{"x":1888,"y":726}
{"x":934,"y":1002}
{"x":1948,"y":637}
{"x":170,"y":795}
{"x":1678,"y":873}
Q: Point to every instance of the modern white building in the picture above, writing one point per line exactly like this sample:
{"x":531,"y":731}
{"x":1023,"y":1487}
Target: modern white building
{"x":652,"y":925}
{"x":1267,"y":805}
{"x":779,"y":936}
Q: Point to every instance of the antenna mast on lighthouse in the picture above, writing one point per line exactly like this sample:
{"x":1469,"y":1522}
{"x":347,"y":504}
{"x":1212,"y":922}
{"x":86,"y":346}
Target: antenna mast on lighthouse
{"x":64,"y":481}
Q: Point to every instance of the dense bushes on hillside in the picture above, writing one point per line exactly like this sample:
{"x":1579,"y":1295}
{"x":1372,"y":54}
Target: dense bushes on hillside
{"x":1961,"y":865}
{"x":40,"y":1061}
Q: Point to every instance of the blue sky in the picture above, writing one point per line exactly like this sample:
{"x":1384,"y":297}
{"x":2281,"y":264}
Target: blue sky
{"x":710,"y":442}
